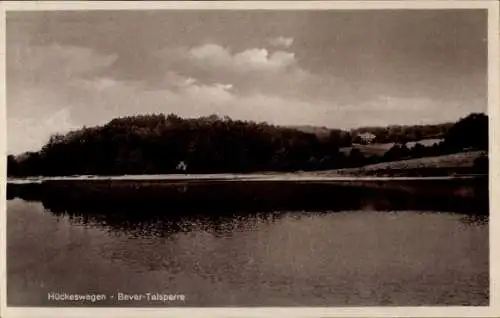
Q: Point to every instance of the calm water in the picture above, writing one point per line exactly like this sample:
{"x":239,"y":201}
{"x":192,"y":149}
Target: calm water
{"x":289,"y":258}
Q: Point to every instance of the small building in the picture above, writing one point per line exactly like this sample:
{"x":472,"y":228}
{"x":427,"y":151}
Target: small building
{"x":366,"y":137}
{"x":181,"y":166}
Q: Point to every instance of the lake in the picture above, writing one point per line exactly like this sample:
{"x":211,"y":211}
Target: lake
{"x":248,"y":244}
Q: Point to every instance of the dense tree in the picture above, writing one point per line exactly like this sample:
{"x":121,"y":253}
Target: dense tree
{"x":156,"y":144}
{"x":397,"y":152}
{"x":469,"y":132}
{"x":397,"y":133}
{"x":418,"y":151}
{"x":356,"y":158}
{"x":12,"y":165}
{"x":481,"y":164}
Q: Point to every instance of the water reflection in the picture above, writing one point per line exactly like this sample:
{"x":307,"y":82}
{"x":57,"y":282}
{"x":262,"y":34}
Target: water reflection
{"x":221,"y":208}
{"x":474,"y":220}
{"x":250,"y":245}
{"x":162,"y":226}
{"x":181,"y":198}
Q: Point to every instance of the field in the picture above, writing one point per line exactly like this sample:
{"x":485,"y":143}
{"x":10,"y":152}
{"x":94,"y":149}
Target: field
{"x":379,"y":149}
{"x":459,"y":163}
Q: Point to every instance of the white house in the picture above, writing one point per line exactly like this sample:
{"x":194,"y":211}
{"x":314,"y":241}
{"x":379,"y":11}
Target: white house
{"x":367,"y":137}
{"x":181,"y":166}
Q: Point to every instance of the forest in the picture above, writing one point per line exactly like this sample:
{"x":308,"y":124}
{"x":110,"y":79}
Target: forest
{"x":157,"y":143}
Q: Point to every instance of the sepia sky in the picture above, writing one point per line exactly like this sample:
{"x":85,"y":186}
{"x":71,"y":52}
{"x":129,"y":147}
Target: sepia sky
{"x":340,"y":69}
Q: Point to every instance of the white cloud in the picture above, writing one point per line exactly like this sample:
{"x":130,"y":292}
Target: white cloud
{"x":59,"y":88}
{"x":182,"y":95}
{"x":256,"y":59}
{"x":217,"y":93}
{"x":104,"y":83}
{"x":211,"y":53}
{"x":253,"y":70}
{"x":66,"y":87}
{"x":281,"y":41}
{"x":259,"y":59}
{"x":189,"y":81}
{"x":40,"y":77}
{"x":25,"y":133}
{"x":40,"y":95}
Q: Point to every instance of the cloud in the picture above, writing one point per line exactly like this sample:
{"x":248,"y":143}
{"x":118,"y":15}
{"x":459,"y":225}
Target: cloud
{"x":97,"y":84}
{"x":56,"y":88}
{"x":212,"y":54}
{"x":37,"y":75}
{"x":386,"y":110}
{"x":281,"y":42}
{"x":395,"y":103}
{"x":277,"y":109}
{"x":259,"y":59}
{"x":188,"y":81}
{"x":62,"y":83}
{"x":55,"y":61}
{"x":216,"y":93}
{"x":251,"y":70}
{"x":183,"y":95}
{"x":255,"y":59}
{"x":42,"y":82}
{"x":25,"y":133}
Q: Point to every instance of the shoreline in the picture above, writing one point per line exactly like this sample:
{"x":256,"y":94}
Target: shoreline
{"x":291,"y":177}
{"x":453,"y":166}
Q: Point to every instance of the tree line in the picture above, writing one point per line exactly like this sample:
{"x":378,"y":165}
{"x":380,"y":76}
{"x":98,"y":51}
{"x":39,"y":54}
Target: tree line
{"x":157,"y":143}
{"x":402,"y":134}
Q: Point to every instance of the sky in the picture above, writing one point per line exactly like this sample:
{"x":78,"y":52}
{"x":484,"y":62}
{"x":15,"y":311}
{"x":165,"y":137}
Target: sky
{"x":332,"y":68}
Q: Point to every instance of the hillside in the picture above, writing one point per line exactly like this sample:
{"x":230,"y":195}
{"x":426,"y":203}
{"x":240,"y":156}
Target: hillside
{"x":320,"y":132}
{"x":384,"y":135}
{"x":473,"y":162}
{"x":396,"y":133}
{"x":159,"y":144}
{"x":379,"y":149}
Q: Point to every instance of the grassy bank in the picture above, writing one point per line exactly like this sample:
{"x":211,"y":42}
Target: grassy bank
{"x":454,"y":164}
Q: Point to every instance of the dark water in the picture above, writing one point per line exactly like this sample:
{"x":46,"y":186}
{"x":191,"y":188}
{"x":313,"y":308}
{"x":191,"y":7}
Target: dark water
{"x":359,"y":251}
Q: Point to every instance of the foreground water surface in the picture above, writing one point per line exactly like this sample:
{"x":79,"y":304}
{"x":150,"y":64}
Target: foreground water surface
{"x":370,"y":254}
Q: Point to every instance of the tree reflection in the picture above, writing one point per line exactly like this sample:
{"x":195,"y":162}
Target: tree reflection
{"x":159,"y":209}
